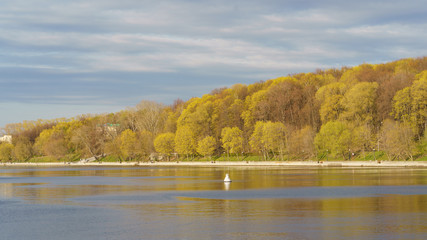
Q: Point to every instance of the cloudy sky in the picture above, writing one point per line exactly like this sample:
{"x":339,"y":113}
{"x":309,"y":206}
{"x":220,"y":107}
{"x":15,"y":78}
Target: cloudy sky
{"x":63,"y":58}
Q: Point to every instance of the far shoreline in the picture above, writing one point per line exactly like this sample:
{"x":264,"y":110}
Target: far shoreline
{"x":351,"y":164}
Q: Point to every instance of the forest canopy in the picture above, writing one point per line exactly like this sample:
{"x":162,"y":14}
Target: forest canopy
{"x":333,"y":112}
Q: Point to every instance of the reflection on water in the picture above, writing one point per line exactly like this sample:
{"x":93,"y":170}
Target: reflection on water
{"x":195,"y":203}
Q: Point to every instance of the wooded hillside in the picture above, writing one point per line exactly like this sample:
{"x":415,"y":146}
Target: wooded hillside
{"x":339,"y":113}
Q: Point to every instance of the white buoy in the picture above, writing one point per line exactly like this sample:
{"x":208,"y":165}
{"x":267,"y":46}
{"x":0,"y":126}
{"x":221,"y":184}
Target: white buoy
{"x":227,"y":178}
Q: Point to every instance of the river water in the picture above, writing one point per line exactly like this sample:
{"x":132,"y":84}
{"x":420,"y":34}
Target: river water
{"x":194,"y":203}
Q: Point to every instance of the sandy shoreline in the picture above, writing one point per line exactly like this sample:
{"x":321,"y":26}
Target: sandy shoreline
{"x":241,"y":163}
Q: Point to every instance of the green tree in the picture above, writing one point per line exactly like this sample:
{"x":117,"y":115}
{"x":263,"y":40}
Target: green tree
{"x":206,"y":146}
{"x":165,"y":143}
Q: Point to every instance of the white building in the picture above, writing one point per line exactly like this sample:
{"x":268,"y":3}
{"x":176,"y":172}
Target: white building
{"x":6,"y":138}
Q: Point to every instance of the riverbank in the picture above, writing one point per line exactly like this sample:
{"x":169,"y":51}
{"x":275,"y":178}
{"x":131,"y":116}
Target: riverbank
{"x":235,"y":163}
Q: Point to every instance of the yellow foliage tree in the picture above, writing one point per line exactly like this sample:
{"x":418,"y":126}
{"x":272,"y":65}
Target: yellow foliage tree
{"x":6,"y":150}
{"x":330,"y":97}
{"x":232,"y":140}
{"x":359,"y":103}
{"x":165,"y":143}
{"x":410,"y":104}
{"x":206,"y":146}
{"x":335,"y":138}
{"x":51,"y":143}
{"x":274,"y":138}
{"x":128,"y":142}
{"x":185,"y":141}
{"x":269,"y":137}
{"x":255,"y":141}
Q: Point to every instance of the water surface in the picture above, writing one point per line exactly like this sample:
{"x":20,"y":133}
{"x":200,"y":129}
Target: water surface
{"x":195,"y":203}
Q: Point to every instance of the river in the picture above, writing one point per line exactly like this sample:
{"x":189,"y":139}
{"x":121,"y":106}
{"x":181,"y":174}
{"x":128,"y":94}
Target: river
{"x":160,"y":202}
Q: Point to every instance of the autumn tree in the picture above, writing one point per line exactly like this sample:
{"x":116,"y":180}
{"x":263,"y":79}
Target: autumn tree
{"x":232,"y":140}
{"x":112,"y":148}
{"x":386,"y":91}
{"x":257,"y":109}
{"x":144,"y":145}
{"x":419,"y":103}
{"x":185,"y":141}
{"x":402,"y":107}
{"x":359,"y":103}
{"x":274,"y":138}
{"x":6,"y":150}
{"x":330,"y":97}
{"x":206,"y":146}
{"x":197,"y":116}
{"x":397,"y":140}
{"x":128,"y":144}
{"x":173,"y":113}
{"x":23,"y":149}
{"x":310,"y":111}
{"x":334,"y":137}
{"x":51,"y":143}
{"x":269,"y":137}
{"x":286,"y":100}
{"x":363,"y":138}
{"x":422,"y":145}
{"x":256,"y":142}
{"x":90,"y":138}
{"x":410,"y":104}
{"x":301,"y":142}
{"x":165,"y":143}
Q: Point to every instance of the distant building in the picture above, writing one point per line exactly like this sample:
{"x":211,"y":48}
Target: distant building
{"x":110,"y":129}
{"x":6,"y":138}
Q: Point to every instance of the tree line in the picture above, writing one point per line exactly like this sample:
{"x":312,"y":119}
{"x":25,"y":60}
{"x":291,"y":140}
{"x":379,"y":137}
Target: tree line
{"x":335,"y":112}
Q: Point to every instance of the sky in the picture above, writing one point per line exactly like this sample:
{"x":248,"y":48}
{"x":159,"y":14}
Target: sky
{"x":65,"y":58}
